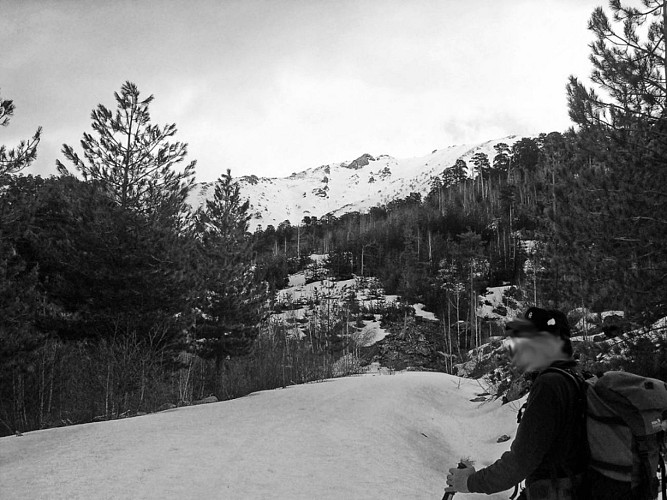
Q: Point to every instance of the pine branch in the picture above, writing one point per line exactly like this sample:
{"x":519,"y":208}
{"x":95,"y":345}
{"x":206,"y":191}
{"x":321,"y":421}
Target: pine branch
{"x":639,"y":218}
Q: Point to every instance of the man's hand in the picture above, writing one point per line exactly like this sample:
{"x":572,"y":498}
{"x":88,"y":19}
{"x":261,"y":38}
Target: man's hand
{"x":458,"y":478}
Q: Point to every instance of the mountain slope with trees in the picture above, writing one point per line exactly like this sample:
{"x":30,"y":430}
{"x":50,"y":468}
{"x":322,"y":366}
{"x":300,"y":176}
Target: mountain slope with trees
{"x":357,"y":185}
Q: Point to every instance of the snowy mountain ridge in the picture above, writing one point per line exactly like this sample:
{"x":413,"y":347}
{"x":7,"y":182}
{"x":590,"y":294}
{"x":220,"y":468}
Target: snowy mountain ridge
{"x":339,"y":188}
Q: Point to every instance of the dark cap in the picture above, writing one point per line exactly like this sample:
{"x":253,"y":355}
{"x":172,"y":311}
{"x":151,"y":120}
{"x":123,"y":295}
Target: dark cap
{"x":539,"y":320}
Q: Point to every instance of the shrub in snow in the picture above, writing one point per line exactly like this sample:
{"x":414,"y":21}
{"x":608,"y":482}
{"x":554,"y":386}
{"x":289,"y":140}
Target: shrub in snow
{"x":346,"y":365}
{"x":203,"y":401}
{"x":643,"y":354}
{"x":500,"y":310}
{"x":396,"y":311}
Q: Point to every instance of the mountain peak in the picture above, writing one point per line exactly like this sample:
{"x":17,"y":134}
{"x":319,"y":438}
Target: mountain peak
{"x":360,"y":162}
{"x":339,"y":188}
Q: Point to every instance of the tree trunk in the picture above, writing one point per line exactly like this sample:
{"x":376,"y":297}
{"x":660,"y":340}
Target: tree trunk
{"x":664,"y":34}
{"x":126,"y":166}
{"x":430,"y":248}
{"x":363,"y":248}
{"x":458,"y":321}
{"x":473,"y":316}
{"x":449,"y":333}
{"x":107,"y":396}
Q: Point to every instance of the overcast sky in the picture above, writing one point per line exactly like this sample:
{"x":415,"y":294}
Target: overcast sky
{"x":277,"y":86}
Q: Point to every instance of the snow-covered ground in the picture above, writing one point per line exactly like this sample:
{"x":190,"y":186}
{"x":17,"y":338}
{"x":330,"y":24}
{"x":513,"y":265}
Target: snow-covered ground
{"x":301,"y":297}
{"x":491,"y":302}
{"x":305,"y":301}
{"x":419,"y":311}
{"x":323,"y":288}
{"x":299,"y":291}
{"x":363,"y":437}
{"x":372,"y":332}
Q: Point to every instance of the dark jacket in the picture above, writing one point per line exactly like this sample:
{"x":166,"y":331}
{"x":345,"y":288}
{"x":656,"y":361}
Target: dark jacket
{"x":550,"y":440}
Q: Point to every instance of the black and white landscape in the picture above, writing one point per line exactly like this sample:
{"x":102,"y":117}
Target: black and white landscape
{"x":268,"y":249}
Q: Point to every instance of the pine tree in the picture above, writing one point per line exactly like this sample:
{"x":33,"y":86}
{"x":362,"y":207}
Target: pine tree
{"x":20,"y":300}
{"x":451,"y":280}
{"x":455,"y":174}
{"x":98,"y":279}
{"x":481,"y":164}
{"x":233,"y":300}
{"x":131,"y":159}
{"x":412,"y":273}
{"x":145,"y":263}
{"x":339,"y":264}
{"x":475,"y":265}
{"x":628,"y":70}
{"x":502,"y":159}
{"x":20,"y":295}
{"x":461,"y":275}
{"x":525,"y":156}
{"x":16,"y":159}
{"x":613,"y":232}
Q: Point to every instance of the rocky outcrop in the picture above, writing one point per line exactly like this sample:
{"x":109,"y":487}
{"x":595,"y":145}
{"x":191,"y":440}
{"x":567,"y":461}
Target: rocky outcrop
{"x":360,"y":162}
{"x":412,"y":346}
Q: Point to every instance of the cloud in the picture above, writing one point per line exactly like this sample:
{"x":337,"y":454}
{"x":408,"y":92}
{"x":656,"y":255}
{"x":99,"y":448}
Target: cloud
{"x":270,"y":87}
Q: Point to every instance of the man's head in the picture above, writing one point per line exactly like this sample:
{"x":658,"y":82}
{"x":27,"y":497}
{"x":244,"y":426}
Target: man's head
{"x":538,"y":339}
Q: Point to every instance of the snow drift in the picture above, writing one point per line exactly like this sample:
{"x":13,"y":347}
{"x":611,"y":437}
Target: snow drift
{"x":363,"y":437}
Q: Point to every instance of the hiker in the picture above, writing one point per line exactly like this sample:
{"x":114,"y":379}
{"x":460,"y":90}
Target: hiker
{"x":549,"y":451}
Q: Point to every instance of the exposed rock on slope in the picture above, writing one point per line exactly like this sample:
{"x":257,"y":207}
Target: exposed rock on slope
{"x":359,"y":185}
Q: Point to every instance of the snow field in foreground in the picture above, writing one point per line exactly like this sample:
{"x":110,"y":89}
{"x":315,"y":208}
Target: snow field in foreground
{"x":362,"y":437}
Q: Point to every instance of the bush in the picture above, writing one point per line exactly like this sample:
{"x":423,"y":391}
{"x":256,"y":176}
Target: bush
{"x":346,"y":365}
{"x":396,"y":311}
{"x":491,"y":358}
{"x":641,"y":355}
{"x":79,"y":382}
{"x":69,"y":383}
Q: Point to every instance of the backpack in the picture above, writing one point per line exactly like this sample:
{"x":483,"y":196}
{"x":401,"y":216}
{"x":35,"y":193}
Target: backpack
{"x":624,"y":414}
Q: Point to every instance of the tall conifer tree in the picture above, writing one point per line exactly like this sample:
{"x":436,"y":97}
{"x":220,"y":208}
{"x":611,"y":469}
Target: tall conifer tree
{"x":612,"y":232}
{"x":19,"y":290}
{"x":132,"y":159}
{"x":134,"y":163}
{"x":232,"y":300}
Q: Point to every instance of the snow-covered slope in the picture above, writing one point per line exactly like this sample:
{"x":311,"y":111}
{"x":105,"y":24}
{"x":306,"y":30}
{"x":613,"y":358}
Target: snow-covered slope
{"x":345,"y":187}
{"x":363,"y":437}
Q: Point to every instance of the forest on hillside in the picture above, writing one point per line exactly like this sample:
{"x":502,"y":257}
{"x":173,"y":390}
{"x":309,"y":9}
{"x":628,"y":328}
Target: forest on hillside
{"x":116,"y":297}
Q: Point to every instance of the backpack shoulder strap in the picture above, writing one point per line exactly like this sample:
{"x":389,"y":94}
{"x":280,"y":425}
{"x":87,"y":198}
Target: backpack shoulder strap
{"x":579,"y":382}
{"x":661,"y":466}
{"x":581,"y":390}
{"x":581,"y":385}
{"x":576,"y":378}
